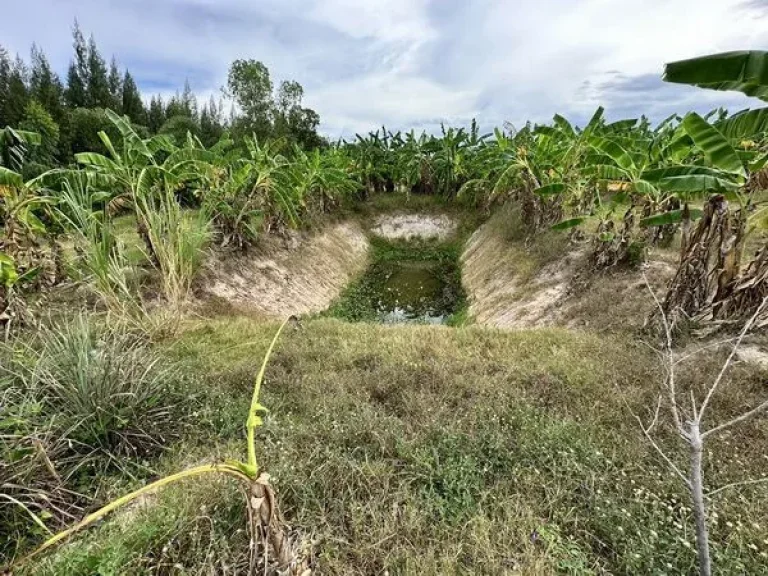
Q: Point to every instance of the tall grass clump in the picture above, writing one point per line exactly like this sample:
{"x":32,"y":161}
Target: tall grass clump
{"x":270,"y":542}
{"x":78,"y":402}
{"x":100,"y":251}
{"x":178,"y":240}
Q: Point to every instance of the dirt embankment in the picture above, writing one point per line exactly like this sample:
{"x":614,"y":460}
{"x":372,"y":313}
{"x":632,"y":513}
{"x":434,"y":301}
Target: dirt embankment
{"x":545,"y":281}
{"x":498,"y":293}
{"x":301,"y":274}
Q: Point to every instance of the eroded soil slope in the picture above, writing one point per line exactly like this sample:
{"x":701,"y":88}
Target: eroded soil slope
{"x":302,"y":274}
{"x":516,"y":282}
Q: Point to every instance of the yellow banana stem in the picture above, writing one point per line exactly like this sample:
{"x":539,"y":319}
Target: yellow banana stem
{"x":115,"y":504}
{"x":252,"y":416}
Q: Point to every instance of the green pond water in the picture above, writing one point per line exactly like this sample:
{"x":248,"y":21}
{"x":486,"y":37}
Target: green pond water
{"x":414,"y":291}
{"x":407,"y":282}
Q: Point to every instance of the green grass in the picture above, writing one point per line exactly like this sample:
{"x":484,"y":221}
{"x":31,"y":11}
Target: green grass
{"x":125,"y":230}
{"x":431,"y":450}
{"x":359,"y":300}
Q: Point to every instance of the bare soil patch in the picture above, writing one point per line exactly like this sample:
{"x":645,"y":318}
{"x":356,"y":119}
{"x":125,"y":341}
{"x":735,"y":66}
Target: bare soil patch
{"x":411,"y":226}
{"x":519,"y":283}
{"x":300,"y":274}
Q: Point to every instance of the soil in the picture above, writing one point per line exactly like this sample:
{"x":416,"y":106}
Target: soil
{"x":498,"y":298}
{"x":753,"y":355}
{"x":410,"y":226}
{"x":508,"y":289}
{"x":296,"y":275}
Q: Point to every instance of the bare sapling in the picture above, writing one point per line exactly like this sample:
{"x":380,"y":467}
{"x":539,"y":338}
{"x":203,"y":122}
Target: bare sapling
{"x":691,"y":422}
{"x":268,"y":531}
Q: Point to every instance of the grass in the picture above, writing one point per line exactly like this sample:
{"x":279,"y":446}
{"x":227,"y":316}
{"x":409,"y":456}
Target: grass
{"x":359,"y":300}
{"x":83,"y":408}
{"x":429,"y":450}
{"x":531,"y":254}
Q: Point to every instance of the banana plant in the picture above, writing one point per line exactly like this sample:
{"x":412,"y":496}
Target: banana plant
{"x":261,"y":502}
{"x":10,"y":303}
{"x":710,"y":282}
{"x":320,"y":178}
{"x":14,"y":145}
{"x":20,"y":202}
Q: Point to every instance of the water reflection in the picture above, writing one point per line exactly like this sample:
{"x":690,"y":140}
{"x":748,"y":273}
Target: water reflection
{"x":413,"y":292}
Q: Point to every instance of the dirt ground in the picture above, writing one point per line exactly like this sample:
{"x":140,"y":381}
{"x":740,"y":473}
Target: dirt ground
{"x":517,"y":283}
{"x":409,"y":226}
{"x":301,"y":274}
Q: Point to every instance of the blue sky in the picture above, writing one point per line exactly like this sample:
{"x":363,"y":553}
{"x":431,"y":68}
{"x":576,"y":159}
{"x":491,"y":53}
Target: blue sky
{"x":414,"y":63}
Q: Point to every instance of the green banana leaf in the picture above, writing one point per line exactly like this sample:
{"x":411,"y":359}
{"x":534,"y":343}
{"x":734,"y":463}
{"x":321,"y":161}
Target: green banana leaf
{"x":745,"y":72}
{"x":715,"y":146}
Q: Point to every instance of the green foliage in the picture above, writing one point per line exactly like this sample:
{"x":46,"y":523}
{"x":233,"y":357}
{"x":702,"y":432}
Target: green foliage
{"x":177,"y":241}
{"x":132,"y":105}
{"x":360,"y":302}
{"x":45,"y":86}
{"x":109,"y":387}
{"x":79,"y":402}
{"x":178,"y":127}
{"x":82,"y":130}
{"x":250,"y":86}
{"x":15,"y":146}
{"x":16,"y":93}
{"x":37,"y":120}
{"x":745,"y":71}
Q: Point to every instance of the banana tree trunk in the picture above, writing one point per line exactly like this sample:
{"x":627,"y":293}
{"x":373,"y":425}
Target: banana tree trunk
{"x":748,"y":292}
{"x":612,"y":248}
{"x":709,"y":263}
{"x":267,"y":523}
{"x":664,"y":234}
{"x":537,"y":213}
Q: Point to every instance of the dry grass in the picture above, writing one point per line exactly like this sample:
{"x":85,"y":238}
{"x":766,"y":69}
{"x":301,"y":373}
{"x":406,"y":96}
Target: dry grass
{"x":430,"y":450}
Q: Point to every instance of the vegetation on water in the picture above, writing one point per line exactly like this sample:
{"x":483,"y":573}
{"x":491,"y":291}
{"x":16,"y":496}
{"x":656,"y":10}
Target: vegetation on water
{"x":406,"y":281}
{"x":409,"y":449}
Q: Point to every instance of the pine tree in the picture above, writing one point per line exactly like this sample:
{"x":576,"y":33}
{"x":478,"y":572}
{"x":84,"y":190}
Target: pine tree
{"x":157,"y":115}
{"x":45,"y":87}
{"x":115,"y":87}
{"x":18,"y":93}
{"x":77,"y":75}
{"x":175,"y":107}
{"x":97,"y":85}
{"x":211,"y":128}
{"x":189,"y":101}
{"x":5,"y":78}
{"x":133,"y":106}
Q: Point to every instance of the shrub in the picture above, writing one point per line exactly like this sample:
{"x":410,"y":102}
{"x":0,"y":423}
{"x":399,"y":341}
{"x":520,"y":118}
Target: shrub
{"x":112,"y":390}
{"x":75,"y":402}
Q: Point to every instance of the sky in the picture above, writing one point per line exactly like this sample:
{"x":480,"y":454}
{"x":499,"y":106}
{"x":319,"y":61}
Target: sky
{"x":413,"y":63}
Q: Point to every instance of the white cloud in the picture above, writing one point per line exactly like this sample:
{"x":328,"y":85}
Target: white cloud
{"x":410,"y":63}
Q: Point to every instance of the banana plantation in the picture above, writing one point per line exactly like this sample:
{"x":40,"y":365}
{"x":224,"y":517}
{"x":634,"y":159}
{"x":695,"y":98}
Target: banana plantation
{"x":500,"y":354}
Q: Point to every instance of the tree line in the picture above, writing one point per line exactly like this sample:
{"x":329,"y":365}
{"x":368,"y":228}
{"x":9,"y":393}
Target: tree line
{"x":69,"y":114}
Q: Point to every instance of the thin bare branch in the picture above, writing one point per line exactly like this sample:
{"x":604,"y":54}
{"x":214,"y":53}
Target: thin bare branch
{"x":736,"y":485}
{"x":700,"y":349}
{"x":737,"y":420}
{"x":735,"y":348}
{"x":646,"y":433}
{"x":661,"y":452}
{"x":655,"y":417}
{"x":693,"y":406}
{"x":670,"y":363}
